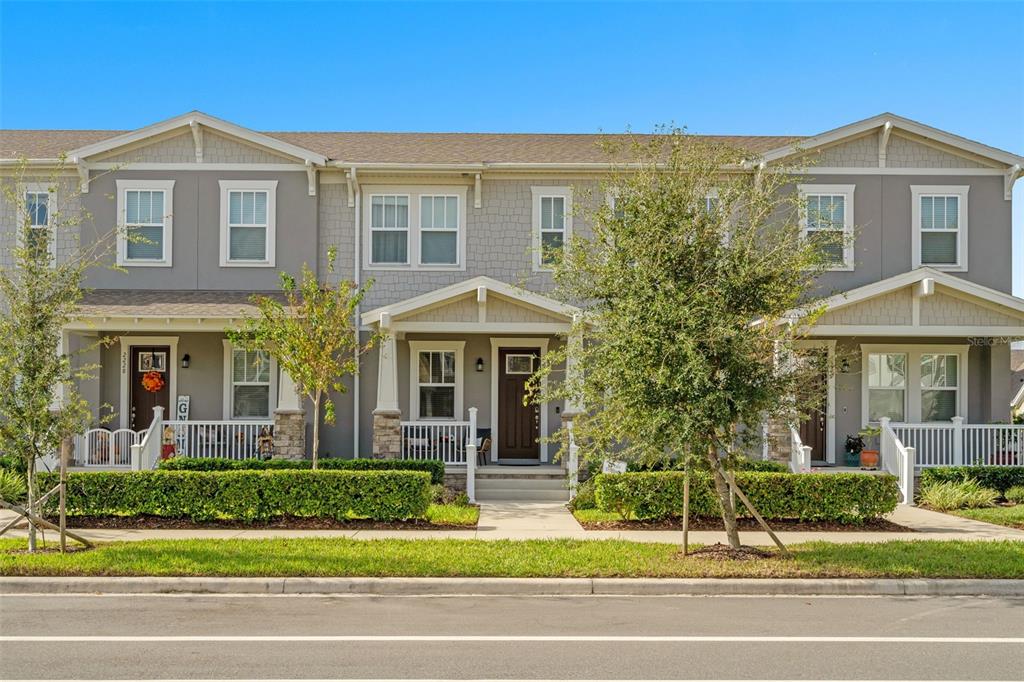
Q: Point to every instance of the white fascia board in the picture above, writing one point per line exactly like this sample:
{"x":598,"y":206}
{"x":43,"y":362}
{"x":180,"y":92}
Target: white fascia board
{"x":463,"y":288}
{"x":860,"y":127}
{"x":211,"y":122}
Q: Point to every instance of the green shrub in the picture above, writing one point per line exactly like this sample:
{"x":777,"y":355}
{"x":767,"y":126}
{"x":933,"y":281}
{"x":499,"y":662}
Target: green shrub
{"x":950,"y":495}
{"x":248,"y":495}
{"x":763,"y":465}
{"x":1000,"y":479}
{"x":434,"y":468}
{"x":1015,"y":494}
{"x":12,"y":486}
{"x":842,"y":498}
{"x":12,"y":463}
{"x":742,"y":464}
{"x":584,"y":496}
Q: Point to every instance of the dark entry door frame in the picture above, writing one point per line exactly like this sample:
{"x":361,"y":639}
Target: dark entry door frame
{"x":127,"y":342}
{"x":829,"y":346}
{"x":515,"y":344}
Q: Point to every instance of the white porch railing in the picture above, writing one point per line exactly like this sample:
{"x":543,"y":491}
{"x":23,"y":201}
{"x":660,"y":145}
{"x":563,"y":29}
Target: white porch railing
{"x":898,"y":460}
{"x":444,"y":441}
{"x":103,"y":448}
{"x":146,"y":453}
{"x":957,"y":444}
{"x":223,"y":439}
{"x":574,"y":462}
{"x":799,"y":454}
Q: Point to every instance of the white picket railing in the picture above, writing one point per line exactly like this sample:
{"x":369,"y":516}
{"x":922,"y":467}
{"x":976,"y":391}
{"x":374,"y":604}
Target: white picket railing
{"x":898,"y":460}
{"x":146,"y":453}
{"x":105,"y":448}
{"x":444,"y":441}
{"x":956,"y":443}
{"x":799,"y":454}
{"x":223,"y":439}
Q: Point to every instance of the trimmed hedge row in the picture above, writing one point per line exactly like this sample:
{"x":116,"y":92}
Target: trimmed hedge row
{"x":997,"y":478}
{"x":248,"y":495}
{"x":743,"y":464}
{"x":432,"y":467}
{"x":842,"y":498}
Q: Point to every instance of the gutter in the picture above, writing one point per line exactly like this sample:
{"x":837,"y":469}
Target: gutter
{"x":356,"y":221}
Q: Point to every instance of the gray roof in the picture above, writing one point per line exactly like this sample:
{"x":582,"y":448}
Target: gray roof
{"x":155,"y":303}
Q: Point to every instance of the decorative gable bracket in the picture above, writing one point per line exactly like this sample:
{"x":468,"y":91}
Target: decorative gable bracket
{"x":197,"y":139}
{"x":1011,"y":176}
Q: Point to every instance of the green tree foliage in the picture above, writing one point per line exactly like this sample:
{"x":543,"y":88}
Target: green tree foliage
{"x":688,"y":331}
{"x":312,"y":335}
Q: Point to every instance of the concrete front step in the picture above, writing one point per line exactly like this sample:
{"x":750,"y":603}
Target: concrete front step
{"x":522,"y":495}
{"x":520,"y":484}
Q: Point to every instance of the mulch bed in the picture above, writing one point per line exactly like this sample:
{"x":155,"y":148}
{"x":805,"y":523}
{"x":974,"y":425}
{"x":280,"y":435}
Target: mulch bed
{"x":720,"y":552}
{"x":283,"y":523}
{"x":870,"y":526}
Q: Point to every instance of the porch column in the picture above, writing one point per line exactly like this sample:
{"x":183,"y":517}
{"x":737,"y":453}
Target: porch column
{"x":63,"y":348}
{"x":387,"y":416}
{"x":289,"y":421}
{"x":999,"y":388}
{"x":574,"y":403}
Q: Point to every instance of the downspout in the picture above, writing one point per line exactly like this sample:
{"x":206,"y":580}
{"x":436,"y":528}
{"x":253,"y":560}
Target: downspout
{"x":357,"y":214}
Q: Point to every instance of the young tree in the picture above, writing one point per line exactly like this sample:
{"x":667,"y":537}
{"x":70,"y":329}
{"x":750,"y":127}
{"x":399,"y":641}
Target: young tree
{"x":40,"y":405}
{"x":312,"y":335}
{"x":687,"y":281}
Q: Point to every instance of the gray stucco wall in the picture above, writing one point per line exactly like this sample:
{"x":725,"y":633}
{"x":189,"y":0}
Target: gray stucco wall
{"x":196,"y":232}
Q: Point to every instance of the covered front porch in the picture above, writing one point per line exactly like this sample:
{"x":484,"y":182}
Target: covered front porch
{"x":468,"y":348}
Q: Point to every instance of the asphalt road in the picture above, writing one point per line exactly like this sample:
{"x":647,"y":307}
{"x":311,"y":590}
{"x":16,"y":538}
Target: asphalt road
{"x":652,"y":638}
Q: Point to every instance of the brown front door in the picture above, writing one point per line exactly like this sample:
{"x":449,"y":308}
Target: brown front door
{"x":518,"y":424}
{"x":814,"y":429}
{"x":146,"y":359}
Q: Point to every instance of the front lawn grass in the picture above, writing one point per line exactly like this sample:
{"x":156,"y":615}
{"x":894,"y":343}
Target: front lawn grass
{"x":453,"y":515}
{"x":506,"y":558}
{"x":1003,"y":516}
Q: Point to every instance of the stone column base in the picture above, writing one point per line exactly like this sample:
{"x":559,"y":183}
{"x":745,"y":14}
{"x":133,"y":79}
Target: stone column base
{"x":779,"y":441}
{"x":387,"y":434}
{"x":289,"y":434}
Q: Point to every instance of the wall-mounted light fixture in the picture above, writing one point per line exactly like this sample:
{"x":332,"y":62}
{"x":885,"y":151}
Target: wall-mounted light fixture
{"x":479,"y":364}
{"x":186,"y":360}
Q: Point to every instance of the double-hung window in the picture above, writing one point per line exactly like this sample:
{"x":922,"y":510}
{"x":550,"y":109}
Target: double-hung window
{"x":415,"y":227}
{"x":827,"y":220}
{"x":41,"y":239}
{"x":389,"y":229}
{"x":436,"y":386}
{"x":439,"y":229}
{"x":939,"y":218}
{"x":250,"y":382}
{"x":909,"y":383}
{"x":552,"y":224}
{"x":247,"y":223}
{"x":145,"y":222}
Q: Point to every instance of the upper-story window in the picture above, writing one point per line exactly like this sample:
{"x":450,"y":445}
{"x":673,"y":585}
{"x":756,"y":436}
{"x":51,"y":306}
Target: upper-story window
{"x":415,"y":227}
{"x":37,"y":207}
{"x":145,"y":220}
{"x":939,"y":218}
{"x":552,"y":224}
{"x":827,"y":218}
{"x":248,"y":223}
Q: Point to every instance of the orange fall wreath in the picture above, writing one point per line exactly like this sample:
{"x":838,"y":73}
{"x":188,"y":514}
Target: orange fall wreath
{"x":152,"y":381}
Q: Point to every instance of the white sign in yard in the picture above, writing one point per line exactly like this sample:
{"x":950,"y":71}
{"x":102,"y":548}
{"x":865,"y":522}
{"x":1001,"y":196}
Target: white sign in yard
{"x":181,"y":409}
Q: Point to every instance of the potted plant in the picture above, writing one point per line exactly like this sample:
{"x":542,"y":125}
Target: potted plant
{"x":854,"y":446}
{"x":869,"y":457}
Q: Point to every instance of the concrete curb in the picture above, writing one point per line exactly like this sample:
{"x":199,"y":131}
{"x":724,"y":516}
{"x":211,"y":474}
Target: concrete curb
{"x":516,"y":586}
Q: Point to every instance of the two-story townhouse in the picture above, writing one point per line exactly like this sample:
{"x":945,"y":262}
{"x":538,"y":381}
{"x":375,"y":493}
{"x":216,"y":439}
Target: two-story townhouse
{"x":452,"y":228}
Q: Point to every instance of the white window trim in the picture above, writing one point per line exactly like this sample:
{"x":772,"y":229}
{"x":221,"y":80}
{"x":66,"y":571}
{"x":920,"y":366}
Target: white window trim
{"x":123,"y":187}
{"x":413,"y":243}
{"x":268,"y":186}
{"x":543,"y":192}
{"x":846,"y":191}
{"x":959,"y":191}
{"x":417,"y":347}
{"x":43,"y":188}
{"x":229,"y":348}
{"x":912,"y":394}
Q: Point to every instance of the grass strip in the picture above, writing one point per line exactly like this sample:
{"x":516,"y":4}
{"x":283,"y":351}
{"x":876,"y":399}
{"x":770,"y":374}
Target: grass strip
{"x":506,"y":558}
{"x":1012,"y":517}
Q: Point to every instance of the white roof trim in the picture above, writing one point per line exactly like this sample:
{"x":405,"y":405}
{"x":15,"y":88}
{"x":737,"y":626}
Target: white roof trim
{"x":184,"y":121}
{"x":912,"y":277}
{"x":466,"y":287}
{"x":898,"y":122}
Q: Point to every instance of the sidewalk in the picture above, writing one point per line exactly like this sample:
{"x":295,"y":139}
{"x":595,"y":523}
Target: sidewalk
{"x":551,"y":520}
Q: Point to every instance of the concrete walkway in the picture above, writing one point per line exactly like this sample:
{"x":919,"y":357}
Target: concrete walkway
{"x":550,"y":520}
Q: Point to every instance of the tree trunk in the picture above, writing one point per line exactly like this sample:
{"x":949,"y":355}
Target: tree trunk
{"x":316,"y":430}
{"x":31,"y":480}
{"x":725,"y":498}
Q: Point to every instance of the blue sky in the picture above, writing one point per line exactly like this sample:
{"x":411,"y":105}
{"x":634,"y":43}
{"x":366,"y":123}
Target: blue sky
{"x":728,"y":67}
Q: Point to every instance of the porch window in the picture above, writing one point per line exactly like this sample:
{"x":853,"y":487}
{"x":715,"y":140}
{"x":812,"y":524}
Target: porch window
{"x":37,"y":206}
{"x":250,"y":384}
{"x":437,"y":384}
{"x":940,"y":226}
{"x":439,"y":230}
{"x":389,"y":229}
{"x":939,"y":387}
{"x":887,"y":386}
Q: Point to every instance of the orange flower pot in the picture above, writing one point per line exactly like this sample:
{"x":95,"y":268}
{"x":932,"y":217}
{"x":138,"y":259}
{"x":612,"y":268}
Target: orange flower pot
{"x":869,"y":459}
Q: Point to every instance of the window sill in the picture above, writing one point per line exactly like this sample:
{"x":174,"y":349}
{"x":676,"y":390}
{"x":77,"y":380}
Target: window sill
{"x":247,"y":264}
{"x":143,"y":264}
{"x":945,"y":268}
